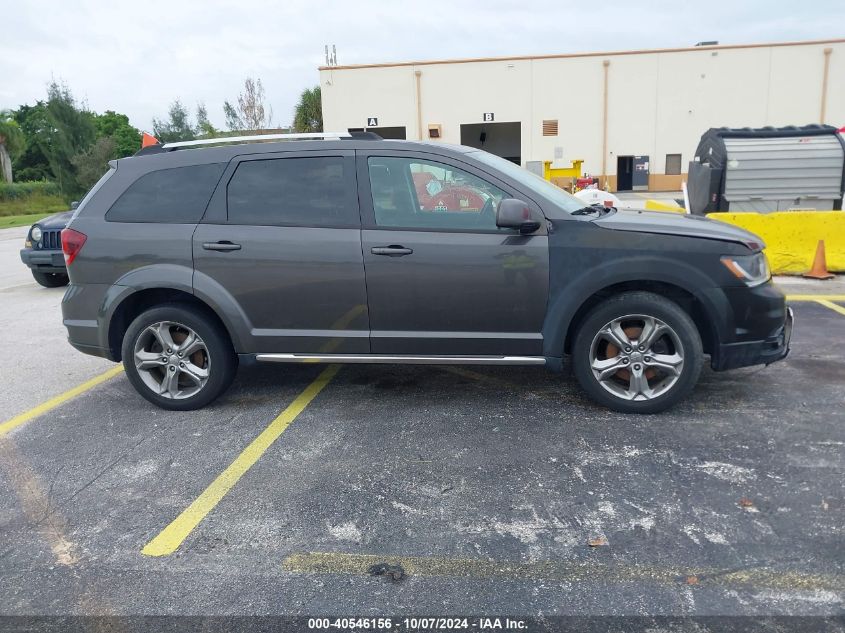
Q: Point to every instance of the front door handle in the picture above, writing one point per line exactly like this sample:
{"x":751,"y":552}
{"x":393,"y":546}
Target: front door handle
{"x":221,"y":246}
{"x":391,"y":251}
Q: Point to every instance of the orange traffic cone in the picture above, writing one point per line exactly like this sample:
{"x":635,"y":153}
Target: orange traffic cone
{"x":819,"y":269}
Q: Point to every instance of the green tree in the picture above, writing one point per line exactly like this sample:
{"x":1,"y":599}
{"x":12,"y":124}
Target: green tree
{"x":56,"y":132}
{"x":177,"y":127}
{"x":127,"y":139}
{"x":71,"y":131}
{"x":204,"y":127}
{"x":308,"y":115}
{"x":11,"y":143}
{"x":233,"y":119}
{"x":91,"y":163}
{"x":32,"y":163}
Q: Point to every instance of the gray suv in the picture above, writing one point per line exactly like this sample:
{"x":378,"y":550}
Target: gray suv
{"x":185,"y":261}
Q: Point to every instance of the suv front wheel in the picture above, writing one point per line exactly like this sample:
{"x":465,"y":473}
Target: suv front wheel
{"x":178,"y":358}
{"x":637,"y":352}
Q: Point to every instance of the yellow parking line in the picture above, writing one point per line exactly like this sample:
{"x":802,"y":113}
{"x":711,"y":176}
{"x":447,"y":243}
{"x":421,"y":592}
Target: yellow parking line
{"x":171,"y":537}
{"x":815,"y":297}
{"x":561,"y":570}
{"x":52,"y":403}
{"x":831,"y":305}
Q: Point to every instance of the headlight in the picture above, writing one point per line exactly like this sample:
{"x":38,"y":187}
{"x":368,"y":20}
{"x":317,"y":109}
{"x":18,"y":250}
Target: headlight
{"x":752,"y":269}
{"x":35,"y":232}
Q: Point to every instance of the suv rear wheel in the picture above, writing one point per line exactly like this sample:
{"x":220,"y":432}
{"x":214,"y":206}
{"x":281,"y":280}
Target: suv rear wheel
{"x":637,"y":352}
{"x":51,"y":280}
{"x":178,"y":358}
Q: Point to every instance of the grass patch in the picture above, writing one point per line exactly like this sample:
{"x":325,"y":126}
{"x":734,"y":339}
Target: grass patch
{"x":10,"y":221}
{"x":31,"y":205}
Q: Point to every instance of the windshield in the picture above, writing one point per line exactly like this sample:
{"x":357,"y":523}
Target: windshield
{"x":561,"y":198}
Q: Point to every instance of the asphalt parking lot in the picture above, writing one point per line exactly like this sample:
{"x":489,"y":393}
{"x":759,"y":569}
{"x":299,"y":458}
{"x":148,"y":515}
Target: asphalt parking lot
{"x":486,"y":486}
{"x":37,"y":364}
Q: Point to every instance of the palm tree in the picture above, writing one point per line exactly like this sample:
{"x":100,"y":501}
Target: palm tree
{"x":308,"y":116}
{"x":11,"y":143}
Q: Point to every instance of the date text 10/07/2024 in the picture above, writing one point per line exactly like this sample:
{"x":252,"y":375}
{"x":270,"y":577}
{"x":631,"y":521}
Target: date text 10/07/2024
{"x":418,"y":624}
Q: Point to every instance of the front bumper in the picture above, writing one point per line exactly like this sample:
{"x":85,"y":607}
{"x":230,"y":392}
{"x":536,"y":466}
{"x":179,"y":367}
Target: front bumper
{"x":44,"y":261}
{"x":765,"y":352}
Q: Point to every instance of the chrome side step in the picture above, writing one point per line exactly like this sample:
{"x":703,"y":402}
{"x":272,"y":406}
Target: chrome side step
{"x":401,"y":359}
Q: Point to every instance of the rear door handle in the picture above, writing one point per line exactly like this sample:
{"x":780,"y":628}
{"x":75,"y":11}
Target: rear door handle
{"x":391,"y":251}
{"x":221,"y":246}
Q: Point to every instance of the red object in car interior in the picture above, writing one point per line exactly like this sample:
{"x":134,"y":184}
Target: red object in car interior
{"x":72,"y":243}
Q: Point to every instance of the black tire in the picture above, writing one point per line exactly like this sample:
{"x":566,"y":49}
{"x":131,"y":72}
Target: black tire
{"x":221,"y":360}
{"x":51,"y":280}
{"x":645,"y":304}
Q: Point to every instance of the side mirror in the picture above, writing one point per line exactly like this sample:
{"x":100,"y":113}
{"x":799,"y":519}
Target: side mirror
{"x":516,"y":214}
{"x":74,"y":204}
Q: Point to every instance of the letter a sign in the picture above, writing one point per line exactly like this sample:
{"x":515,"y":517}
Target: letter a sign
{"x":372,"y":121}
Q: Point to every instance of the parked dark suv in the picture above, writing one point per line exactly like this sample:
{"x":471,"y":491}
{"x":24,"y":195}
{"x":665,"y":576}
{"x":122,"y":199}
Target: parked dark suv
{"x":357,"y":250}
{"x":42,"y":250}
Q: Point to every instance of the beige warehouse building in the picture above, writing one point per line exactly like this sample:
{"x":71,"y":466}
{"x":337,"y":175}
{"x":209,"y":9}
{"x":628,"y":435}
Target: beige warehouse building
{"x":634,"y":117}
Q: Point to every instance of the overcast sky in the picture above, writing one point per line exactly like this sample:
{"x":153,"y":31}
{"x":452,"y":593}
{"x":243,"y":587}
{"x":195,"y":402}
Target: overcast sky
{"x":136,"y":57}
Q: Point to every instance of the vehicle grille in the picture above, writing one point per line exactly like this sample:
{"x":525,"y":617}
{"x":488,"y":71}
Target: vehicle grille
{"x":51,"y":240}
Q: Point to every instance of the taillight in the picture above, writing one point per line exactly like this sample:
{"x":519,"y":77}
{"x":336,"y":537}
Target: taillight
{"x":72,"y":243}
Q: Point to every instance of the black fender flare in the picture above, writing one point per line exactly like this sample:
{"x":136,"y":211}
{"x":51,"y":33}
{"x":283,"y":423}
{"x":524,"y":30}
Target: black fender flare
{"x":181,"y":279}
{"x":567,"y":298}
{"x":213,"y":294}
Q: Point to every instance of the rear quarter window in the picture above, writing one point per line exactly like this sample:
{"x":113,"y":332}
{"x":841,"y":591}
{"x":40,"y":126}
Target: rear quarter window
{"x":168,"y":196}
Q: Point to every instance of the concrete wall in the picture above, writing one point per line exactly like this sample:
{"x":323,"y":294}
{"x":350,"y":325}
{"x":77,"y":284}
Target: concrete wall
{"x":659,"y":102}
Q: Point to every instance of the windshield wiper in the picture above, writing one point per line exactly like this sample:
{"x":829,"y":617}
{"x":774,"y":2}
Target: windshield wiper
{"x":588,"y":210}
{"x":599,"y":209}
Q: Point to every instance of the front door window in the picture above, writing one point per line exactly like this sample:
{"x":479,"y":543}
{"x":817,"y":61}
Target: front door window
{"x":418,"y":194}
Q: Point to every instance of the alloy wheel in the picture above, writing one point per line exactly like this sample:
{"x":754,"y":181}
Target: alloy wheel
{"x":172,"y":360}
{"x":636,"y":357}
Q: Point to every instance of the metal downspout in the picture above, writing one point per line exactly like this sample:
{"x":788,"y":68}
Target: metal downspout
{"x":827,"y":53}
{"x":417,"y":75}
{"x":605,"y":64}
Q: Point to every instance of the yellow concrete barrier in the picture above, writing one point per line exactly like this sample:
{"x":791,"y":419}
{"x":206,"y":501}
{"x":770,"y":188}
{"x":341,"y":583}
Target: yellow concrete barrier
{"x":664,"y":205}
{"x":792,"y":236}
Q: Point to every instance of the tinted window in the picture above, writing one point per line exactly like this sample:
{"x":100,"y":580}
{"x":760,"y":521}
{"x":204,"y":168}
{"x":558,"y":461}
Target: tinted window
{"x":415,"y":193}
{"x":293,"y":192}
{"x":173,"y":196}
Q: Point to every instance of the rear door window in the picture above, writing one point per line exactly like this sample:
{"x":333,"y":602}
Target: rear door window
{"x":168,"y":196}
{"x":315,"y":191}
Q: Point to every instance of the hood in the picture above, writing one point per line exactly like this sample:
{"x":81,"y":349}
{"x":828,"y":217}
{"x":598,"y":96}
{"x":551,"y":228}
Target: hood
{"x":678,"y":224}
{"x":55,"y":221}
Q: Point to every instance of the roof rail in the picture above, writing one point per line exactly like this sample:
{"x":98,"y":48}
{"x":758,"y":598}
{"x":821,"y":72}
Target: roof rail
{"x":299,"y":136}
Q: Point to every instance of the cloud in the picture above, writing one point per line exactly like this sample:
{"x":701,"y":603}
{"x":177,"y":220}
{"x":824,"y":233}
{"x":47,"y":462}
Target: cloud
{"x":137,"y":57}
